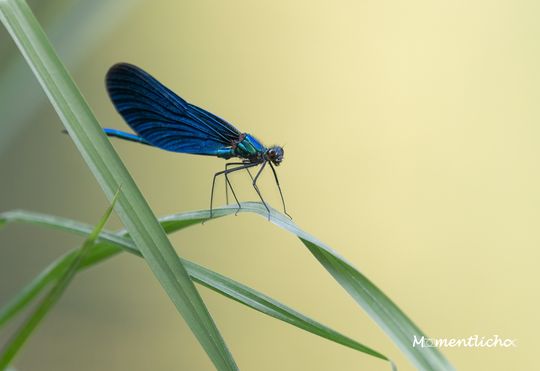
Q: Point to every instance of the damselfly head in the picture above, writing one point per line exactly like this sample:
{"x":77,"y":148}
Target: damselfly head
{"x":275,"y":155}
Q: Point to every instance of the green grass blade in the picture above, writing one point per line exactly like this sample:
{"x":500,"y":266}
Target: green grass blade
{"x":264,"y":304}
{"x":52,"y":222}
{"x":376,"y":304}
{"x":111,"y":173}
{"x":8,"y":352}
{"x":214,"y":281}
{"x":389,"y":317}
{"x":100,"y":252}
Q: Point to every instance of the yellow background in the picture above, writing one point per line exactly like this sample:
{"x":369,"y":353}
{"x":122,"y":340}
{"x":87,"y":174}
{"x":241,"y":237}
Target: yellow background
{"x":411,"y":133}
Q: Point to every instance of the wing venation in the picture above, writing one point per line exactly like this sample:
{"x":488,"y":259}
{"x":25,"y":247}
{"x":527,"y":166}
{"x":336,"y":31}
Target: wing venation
{"x":164,"y":119}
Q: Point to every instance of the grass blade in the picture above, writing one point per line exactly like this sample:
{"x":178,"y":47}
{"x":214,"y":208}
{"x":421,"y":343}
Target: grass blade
{"x":264,"y":304}
{"x":212,"y":280}
{"x":100,"y":252}
{"x":376,"y":304}
{"x":380,"y":308}
{"x":8,"y":352}
{"x":103,"y":250}
{"x":111,"y":173}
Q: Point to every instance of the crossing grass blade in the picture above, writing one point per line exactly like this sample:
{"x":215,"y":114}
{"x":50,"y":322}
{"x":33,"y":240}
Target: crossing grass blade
{"x":374,"y":302}
{"x":112,"y":243}
{"x":378,"y":306}
{"x":9,"y":351}
{"x":111,"y":173}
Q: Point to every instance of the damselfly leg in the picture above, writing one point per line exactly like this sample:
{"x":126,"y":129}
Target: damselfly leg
{"x":227,"y":182}
{"x":226,"y":173}
{"x":279,"y":188}
{"x":257,"y":188}
{"x":246,"y":166}
{"x":227,"y":185}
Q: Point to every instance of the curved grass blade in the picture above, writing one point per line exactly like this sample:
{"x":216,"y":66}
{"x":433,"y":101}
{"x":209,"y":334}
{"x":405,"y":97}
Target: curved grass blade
{"x":110,"y":173}
{"x":380,"y":308}
{"x":377,"y":305}
{"x":264,"y":304}
{"x":8,"y":352}
{"x":102,"y":250}
{"x":212,"y":280}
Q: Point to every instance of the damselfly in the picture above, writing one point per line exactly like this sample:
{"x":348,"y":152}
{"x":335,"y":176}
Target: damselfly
{"x":162,"y":119}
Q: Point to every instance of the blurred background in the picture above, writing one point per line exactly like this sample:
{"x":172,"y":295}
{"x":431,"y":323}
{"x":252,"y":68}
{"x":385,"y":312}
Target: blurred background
{"x":411,"y":146}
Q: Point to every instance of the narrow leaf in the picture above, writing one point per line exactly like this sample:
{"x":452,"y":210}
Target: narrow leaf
{"x":378,"y":306}
{"x":214,"y":281}
{"x":110,"y":173}
{"x":8,"y":352}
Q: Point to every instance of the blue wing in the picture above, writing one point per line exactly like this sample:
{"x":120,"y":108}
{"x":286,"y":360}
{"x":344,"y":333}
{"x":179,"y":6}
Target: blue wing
{"x":162,"y":118}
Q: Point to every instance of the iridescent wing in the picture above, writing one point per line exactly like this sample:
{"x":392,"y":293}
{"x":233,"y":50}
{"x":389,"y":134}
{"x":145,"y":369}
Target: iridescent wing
{"x":163,"y":119}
